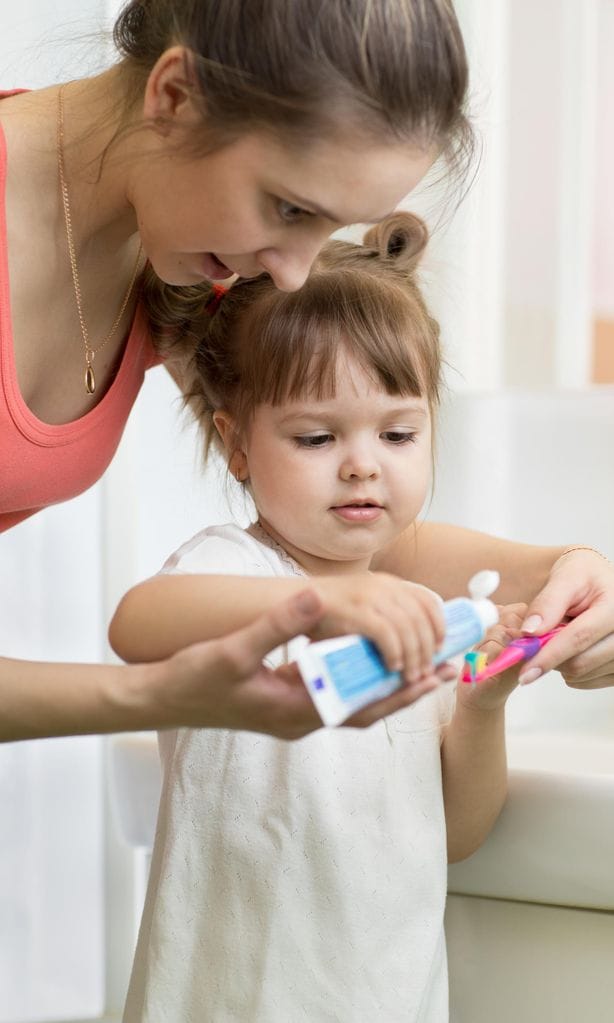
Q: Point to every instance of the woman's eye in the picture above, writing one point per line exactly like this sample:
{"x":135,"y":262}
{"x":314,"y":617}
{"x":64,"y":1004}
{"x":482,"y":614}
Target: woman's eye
{"x":291,"y":213}
{"x":313,"y":440}
{"x":399,"y":436}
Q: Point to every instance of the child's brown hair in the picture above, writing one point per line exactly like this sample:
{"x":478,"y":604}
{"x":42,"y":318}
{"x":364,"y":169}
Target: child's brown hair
{"x":258,"y":345}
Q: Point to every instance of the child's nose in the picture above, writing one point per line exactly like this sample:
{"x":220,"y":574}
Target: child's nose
{"x":359,"y":466}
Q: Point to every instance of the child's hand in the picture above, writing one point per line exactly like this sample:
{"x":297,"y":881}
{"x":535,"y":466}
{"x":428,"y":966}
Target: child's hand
{"x":404,"y":621}
{"x":493,"y":692}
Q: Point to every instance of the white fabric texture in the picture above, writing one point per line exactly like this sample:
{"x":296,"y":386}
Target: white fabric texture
{"x":298,"y":881}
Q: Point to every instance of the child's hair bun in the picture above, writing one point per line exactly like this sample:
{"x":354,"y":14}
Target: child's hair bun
{"x":402,"y":237}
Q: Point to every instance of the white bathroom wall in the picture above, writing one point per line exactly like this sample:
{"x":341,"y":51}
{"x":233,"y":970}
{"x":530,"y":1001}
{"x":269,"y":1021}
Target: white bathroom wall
{"x":535,"y":467}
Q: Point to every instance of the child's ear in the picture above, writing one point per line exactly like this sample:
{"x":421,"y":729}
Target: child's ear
{"x":237,"y":458}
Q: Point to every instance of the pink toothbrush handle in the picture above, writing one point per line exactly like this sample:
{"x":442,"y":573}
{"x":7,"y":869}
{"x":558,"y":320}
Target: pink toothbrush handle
{"x":518,"y":650}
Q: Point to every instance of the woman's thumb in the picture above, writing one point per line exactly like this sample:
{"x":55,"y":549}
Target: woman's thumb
{"x":290,"y":618}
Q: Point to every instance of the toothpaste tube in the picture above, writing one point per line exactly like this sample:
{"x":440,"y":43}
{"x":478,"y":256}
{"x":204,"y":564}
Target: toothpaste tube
{"x":344,"y":674}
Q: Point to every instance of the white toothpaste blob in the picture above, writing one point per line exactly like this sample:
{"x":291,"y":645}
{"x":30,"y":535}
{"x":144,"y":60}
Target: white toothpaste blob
{"x":483,"y":583}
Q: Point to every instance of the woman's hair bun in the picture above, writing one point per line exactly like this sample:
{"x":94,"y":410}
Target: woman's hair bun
{"x":402,"y":237}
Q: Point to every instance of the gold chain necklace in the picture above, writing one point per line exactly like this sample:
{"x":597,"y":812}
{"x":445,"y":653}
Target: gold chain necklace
{"x":90,"y":351}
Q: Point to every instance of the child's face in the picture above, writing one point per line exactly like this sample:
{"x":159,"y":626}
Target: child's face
{"x":336,"y":480}
{"x":258,"y":205}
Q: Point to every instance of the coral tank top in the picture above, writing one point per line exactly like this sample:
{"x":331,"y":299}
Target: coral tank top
{"x":42,"y":464}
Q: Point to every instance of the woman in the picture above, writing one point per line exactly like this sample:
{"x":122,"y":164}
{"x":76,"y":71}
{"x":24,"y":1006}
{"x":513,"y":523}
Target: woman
{"x":230,"y":139}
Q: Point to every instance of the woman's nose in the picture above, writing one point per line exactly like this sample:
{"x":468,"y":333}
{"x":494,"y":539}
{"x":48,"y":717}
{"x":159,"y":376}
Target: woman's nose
{"x":289,"y":268}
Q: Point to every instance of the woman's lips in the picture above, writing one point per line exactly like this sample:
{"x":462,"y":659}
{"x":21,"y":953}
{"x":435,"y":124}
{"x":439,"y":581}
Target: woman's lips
{"x":214,"y":269}
{"x":358,"y":512}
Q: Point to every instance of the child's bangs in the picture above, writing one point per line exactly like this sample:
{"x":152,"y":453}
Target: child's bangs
{"x":301,"y":338}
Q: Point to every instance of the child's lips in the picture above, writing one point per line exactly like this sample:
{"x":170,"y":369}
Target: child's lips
{"x":365,"y":512}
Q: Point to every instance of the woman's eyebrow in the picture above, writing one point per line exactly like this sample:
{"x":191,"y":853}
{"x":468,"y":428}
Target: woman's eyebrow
{"x":316,"y":208}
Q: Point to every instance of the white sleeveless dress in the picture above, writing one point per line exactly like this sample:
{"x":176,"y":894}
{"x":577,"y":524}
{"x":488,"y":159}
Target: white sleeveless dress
{"x":299,"y":881}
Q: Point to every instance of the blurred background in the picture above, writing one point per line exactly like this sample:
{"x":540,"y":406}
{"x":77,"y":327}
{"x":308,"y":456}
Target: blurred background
{"x":521,"y":275}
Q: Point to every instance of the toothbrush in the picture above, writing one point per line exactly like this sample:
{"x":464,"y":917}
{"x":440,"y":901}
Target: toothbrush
{"x":518,"y":650}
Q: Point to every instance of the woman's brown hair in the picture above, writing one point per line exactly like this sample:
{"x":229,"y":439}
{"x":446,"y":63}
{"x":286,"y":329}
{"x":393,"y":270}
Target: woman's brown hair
{"x":395,"y":68}
{"x":258,"y":345}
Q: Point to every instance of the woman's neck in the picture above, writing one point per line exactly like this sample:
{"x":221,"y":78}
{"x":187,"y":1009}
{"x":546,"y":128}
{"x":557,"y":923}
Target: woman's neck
{"x":99,"y":154}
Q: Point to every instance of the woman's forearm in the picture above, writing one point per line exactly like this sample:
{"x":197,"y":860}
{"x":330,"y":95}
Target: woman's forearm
{"x":445,"y":557}
{"x":474,"y":771}
{"x":44,"y":700}
{"x":219,"y":684}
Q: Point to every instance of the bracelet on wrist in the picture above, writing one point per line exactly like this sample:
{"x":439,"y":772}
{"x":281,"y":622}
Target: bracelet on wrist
{"x":582,"y":547}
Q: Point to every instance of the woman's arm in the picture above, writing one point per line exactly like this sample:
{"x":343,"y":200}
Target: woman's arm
{"x":445,"y":557}
{"x":556,"y":582}
{"x":220,"y":684}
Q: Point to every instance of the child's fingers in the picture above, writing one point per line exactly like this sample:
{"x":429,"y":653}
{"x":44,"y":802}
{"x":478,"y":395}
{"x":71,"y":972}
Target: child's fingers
{"x":499,"y":636}
{"x":428,"y":623}
{"x":413,"y":639}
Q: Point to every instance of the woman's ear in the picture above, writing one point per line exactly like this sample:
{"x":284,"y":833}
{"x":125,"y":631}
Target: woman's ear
{"x":237,"y":458}
{"x":167,"y":102}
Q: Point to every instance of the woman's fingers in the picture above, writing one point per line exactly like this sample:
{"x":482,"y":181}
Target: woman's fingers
{"x":390,"y":704}
{"x":580,"y":581}
{"x":593,"y":668}
{"x":578,"y":643}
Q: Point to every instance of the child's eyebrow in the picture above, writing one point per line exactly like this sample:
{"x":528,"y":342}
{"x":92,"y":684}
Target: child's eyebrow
{"x":323,"y":410}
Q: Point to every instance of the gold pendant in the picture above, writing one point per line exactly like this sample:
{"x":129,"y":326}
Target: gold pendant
{"x":90,"y":379}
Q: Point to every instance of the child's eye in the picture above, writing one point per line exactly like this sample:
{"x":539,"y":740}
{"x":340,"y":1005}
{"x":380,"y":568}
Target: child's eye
{"x":290,"y":213}
{"x":313,"y":440}
{"x":399,"y":436}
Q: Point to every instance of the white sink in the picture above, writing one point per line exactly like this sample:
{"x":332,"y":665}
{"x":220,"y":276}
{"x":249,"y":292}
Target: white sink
{"x":553,"y":843}
{"x":554,"y":840}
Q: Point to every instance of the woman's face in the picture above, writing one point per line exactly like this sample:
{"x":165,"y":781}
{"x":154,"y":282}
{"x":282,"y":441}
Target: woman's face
{"x":258,"y":205}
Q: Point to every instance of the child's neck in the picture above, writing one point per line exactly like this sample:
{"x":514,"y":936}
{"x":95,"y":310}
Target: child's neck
{"x":310,"y":563}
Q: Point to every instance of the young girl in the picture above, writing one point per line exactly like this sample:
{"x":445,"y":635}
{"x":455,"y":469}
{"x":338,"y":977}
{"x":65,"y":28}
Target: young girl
{"x":307,"y":881}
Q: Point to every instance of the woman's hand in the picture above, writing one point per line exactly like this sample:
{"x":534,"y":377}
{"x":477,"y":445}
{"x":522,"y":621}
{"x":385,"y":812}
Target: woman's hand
{"x":581,"y":587}
{"x":223,"y":683}
{"x":403,"y":620}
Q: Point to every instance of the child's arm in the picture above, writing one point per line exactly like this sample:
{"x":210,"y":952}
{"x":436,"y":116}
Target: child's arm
{"x":168,"y":612}
{"x":474,"y":764}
